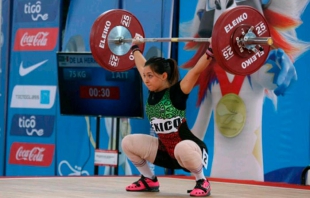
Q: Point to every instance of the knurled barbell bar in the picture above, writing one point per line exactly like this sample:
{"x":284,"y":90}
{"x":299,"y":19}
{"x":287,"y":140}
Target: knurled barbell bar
{"x":238,"y":36}
{"x":248,"y":41}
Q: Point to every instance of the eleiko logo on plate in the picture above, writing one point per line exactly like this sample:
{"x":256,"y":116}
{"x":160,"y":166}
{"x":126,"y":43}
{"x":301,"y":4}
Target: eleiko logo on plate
{"x":32,"y":125}
{"x":31,"y":154}
{"x":36,"y":39}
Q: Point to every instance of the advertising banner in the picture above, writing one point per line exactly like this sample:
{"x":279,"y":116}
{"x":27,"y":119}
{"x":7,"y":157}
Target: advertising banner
{"x":263,"y":133}
{"x":32,"y":88}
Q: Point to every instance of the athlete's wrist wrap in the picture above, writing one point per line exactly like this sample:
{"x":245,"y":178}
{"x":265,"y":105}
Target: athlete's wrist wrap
{"x":135,"y":48}
{"x":209,"y":53}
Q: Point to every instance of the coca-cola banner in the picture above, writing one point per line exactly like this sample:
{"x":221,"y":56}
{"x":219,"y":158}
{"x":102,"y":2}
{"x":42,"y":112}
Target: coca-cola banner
{"x":76,"y":135}
{"x":33,"y":87}
{"x":4,"y":33}
{"x":31,"y":154}
{"x":36,"y":39}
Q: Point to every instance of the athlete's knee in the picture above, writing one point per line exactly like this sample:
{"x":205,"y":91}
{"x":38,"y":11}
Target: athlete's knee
{"x":188,"y":154}
{"x":127,"y":143}
{"x":183,"y":148}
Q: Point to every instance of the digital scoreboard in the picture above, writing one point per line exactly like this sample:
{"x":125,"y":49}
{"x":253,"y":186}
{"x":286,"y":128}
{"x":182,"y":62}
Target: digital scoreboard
{"x":85,"y":88}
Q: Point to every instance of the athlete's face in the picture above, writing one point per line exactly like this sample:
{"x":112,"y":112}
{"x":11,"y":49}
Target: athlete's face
{"x":154,"y":81}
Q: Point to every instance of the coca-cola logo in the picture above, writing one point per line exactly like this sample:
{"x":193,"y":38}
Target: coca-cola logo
{"x":36,"y":39}
{"x":40,"y":39}
{"x":31,"y":154}
{"x":35,"y":154}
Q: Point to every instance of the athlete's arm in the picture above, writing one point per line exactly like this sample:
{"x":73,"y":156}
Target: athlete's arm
{"x":138,"y":56}
{"x":139,"y":61}
{"x":190,"y":79}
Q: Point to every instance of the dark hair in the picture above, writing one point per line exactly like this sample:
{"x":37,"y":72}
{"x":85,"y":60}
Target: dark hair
{"x":160,"y":65}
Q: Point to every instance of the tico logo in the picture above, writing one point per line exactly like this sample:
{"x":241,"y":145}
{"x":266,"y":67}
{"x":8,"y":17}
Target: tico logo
{"x":32,"y":125}
{"x":37,"y":11}
{"x":36,"y":39}
{"x":31,"y":154}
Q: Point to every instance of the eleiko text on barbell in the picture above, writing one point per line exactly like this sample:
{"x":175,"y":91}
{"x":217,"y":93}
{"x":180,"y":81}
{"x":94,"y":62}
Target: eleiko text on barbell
{"x":252,"y":59}
{"x":235,"y":22}
{"x":104,"y":34}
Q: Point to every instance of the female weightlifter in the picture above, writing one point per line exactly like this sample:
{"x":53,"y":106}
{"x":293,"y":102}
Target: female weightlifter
{"x":176,"y":147}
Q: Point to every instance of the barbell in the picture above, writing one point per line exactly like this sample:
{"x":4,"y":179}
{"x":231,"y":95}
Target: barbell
{"x":240,"y":40}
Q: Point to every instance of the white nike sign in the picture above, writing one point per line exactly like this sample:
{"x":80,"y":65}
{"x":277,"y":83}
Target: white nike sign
{"x":24,"y":71}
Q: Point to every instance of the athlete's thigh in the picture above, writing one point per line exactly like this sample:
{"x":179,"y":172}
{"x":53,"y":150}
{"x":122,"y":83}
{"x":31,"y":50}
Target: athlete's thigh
{"x":144,"y":146}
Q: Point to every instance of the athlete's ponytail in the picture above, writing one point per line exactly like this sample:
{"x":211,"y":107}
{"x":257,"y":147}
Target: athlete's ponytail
{"x":174,"y":75}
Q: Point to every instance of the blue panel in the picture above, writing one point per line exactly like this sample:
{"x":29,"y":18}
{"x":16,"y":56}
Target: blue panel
{"x":81,"y":16}
{"x":76,"y":135}
{"x":288,"y":128}
{"x":3,"y":76}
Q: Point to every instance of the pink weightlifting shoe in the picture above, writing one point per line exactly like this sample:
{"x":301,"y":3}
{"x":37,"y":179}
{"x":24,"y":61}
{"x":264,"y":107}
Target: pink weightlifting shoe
{"x":144,"y":184}
{"x":202,"y":189}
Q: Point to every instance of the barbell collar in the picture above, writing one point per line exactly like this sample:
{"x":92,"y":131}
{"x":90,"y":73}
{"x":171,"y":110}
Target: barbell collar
{"x":258,"y":41}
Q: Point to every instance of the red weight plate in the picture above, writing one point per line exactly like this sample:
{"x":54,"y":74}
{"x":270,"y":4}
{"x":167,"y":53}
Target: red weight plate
{"x":227,"y":28}
{"x":99,"y":44}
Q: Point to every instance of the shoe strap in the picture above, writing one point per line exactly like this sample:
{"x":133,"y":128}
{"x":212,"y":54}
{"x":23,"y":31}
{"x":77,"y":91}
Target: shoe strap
{"x":142,"y":179}
{"x":199,"y":186}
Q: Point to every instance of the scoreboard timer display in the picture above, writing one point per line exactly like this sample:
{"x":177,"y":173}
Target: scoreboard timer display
{"x":87,"y":89}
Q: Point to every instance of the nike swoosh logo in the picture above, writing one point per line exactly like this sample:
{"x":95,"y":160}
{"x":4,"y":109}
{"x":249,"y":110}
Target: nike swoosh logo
{"x":24,"y":71}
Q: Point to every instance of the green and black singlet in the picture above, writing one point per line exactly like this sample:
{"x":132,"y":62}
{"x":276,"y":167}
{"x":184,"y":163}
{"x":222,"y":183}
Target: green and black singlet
{"x":166,"y":112}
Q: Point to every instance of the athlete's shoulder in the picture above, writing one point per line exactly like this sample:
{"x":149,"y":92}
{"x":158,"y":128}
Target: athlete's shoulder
{"x":176,"y":85}
{"x":176,"y":89}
